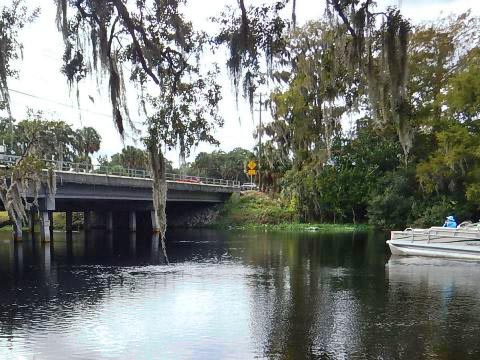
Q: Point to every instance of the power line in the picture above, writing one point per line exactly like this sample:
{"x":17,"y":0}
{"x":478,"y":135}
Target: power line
{"x":60,"y":103}
{"x":126,"y":135}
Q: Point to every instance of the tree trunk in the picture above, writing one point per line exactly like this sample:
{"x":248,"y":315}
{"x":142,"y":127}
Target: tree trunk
{"x":159,"y":190}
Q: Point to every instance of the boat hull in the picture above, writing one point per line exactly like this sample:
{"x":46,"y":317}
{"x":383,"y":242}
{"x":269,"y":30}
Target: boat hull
{"x":469,"y":250}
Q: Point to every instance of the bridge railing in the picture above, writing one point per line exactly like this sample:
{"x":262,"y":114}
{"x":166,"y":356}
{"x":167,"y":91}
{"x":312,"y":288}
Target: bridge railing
{"x":94,"y":169}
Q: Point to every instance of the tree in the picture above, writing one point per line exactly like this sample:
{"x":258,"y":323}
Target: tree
{"x":222,"y":165}
{"x":380,"y":53}
{"x":54,"y":139}
{"x":254,"y":34}
{"x":27,"y":170}
{"x":463,"y":95}
{"x":319,"y":85}
{"x":161,"y":48}
{"x":131,"y":158}
{"x":12,"y":20}
{"x":88,"y":142}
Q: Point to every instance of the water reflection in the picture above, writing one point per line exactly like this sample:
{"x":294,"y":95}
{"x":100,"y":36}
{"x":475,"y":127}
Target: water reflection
{"x":233,"y":295}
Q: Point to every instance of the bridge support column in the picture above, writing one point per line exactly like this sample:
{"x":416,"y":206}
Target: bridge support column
{"x":17,"y":232}
{"x":109,"y":221}
{"x":155,"y":223}
{"x":68,"y":221}
{"x":31,"y":221}
{"x":87,"y":221}
{"x":132,"y":221}
{"x":45,"y":226}
{"x":50,"y":220}
{"x":133,"y":243}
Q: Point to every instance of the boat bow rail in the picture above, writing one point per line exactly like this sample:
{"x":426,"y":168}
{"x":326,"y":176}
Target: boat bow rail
{"x":437,"y":234}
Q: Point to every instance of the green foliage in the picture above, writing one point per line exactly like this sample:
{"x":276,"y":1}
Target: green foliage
{"x":222,"y":165}
{"x":131,"y":158}
{"x":429,"y":120}
{"x":392,"y":200}
{"x":253,"y":207}
{"x":463,"y":95}
{"x":52,"y":139}
{"x":87,"y":141}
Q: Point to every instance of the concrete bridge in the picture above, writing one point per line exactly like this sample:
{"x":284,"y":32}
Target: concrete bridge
{"x":105,"y":192}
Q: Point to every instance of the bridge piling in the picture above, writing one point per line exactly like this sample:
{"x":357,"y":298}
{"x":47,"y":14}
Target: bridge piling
{"x":87,"y":221}
{"x":155,"y":223}
{"x":133,"y":243}
{"x":17,"y":232}
{"x":31,"y":221}
{"x":109,"y":221}
{"x":50,"y":220}
{"x":132,"y":221}
{"x":68,"y":221}
{"x":45,"y":226}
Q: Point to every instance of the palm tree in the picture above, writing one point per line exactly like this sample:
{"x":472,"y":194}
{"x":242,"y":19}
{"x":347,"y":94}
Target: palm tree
{"x":88,"y":142}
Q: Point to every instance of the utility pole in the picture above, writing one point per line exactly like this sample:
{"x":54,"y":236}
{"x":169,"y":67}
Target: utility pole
{"x":259,"y":152}
{"x":11,"y":135}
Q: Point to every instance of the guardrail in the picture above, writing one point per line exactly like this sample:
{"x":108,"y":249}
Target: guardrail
{"x":84,"y":168}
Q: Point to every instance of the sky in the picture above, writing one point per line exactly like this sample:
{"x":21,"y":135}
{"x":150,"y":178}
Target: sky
{"x":41,"y":86}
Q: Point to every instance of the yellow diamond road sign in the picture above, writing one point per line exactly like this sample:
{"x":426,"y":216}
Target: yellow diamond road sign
{"x":252,"y":165}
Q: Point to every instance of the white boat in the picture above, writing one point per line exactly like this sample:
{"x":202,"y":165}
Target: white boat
{"x":462,"y":242}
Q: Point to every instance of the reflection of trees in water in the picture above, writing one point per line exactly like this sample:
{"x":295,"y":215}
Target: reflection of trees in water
{"x":185,"y":245}
{"x":48,"y":284}
{"x":298,"y":305}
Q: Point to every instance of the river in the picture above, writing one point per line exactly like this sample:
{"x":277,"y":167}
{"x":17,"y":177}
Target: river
{"x":233,"y":295}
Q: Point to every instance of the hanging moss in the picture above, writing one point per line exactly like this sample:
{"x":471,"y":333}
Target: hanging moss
{"x":254,"y":35}
{"x":380,"y":53}
{"x":12,"y":20}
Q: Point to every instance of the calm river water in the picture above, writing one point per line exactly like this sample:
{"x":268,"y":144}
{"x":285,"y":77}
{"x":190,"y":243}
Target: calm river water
{"x":234,"y":295}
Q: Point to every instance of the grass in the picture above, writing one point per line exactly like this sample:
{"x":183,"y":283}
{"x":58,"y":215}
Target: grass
{"x":304,"y":227}
{"x":253,"y":207}
{"x":253,"y":210}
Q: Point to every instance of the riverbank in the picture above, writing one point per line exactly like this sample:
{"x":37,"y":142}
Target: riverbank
{"x":303,"y":227}
{"x":253,"y":210}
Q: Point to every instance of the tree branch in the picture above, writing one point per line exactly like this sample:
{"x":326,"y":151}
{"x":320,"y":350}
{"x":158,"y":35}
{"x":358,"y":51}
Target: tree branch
{"x":244,"y":26}
{"x":124,"y":14}
{"x":342,"y":15}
